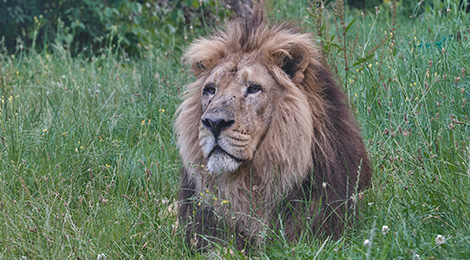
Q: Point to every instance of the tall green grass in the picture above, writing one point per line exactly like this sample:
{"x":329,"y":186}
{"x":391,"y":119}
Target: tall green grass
{"x":88,"y":162}
{"x":89,"y":165}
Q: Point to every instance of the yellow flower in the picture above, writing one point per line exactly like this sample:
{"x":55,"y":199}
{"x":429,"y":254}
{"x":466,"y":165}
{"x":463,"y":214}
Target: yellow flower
{"x":143,"y":122}
{"x":162,"y":110}
{"x":45,"y":130}
{"x":83,"y":69}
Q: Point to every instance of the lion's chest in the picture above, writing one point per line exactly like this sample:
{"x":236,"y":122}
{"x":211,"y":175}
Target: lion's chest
{"x":240,"y":200}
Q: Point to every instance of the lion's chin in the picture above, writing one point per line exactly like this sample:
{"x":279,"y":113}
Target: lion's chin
{"x":221,"y":162}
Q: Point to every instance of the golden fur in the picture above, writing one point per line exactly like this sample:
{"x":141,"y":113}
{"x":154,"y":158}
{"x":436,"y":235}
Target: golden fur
{"x":263,"y":127}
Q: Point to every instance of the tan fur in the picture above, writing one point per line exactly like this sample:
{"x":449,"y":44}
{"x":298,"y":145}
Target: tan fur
{"x":280,"y":133}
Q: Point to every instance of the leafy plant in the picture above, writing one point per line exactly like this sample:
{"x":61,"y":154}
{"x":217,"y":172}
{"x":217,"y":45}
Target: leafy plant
{"x":89,"y":26}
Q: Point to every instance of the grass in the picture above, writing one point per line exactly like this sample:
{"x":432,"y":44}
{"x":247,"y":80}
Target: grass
{"x":89,"y":166}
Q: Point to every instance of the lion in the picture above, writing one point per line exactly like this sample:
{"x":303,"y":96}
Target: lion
{"x":266,"y":138}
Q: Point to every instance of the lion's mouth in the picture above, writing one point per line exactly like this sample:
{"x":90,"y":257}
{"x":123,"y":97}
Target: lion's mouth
{"x":218,"y":150}
{"x":219,"y":161}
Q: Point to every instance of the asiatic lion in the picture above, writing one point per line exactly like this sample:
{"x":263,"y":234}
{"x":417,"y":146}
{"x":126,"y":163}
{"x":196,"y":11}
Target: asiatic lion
{"x":266,"y":139}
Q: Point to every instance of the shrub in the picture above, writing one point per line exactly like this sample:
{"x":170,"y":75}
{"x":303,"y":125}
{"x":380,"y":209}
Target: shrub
{"x":88,"y":25}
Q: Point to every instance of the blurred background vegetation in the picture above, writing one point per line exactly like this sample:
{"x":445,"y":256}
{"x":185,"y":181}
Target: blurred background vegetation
{"x":88,"y":26}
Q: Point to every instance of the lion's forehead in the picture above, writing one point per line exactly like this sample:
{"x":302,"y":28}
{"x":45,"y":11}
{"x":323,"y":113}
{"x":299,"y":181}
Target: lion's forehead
{"x":241,"y":69}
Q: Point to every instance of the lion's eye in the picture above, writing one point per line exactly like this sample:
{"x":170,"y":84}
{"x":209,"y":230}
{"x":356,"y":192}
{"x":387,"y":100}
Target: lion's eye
{"x":253,"y":88}
{"x":209,"y":89}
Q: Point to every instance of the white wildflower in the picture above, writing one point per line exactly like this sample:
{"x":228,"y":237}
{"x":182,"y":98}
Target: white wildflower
{"x":385,"y":229}
{"x":440,"y":239}
{"x":367,"y":242}
{"x":353,"y":198}
{"x":101,"y":257}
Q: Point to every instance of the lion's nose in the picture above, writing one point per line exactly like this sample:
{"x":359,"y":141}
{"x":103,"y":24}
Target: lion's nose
{"x":217,"y":125}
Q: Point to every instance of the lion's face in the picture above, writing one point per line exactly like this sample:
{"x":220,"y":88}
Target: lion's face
{"x":238,"y":99}
{"x":248,"y":110}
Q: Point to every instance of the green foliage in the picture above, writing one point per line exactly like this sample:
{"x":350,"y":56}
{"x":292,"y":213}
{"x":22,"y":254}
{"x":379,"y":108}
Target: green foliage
{"x":89,"y":26}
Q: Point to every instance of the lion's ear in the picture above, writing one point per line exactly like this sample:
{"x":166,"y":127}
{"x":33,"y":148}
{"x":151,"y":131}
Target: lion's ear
{"x":294,"y":61}
{"x":204,"y":54}
{"x":198,"y":67}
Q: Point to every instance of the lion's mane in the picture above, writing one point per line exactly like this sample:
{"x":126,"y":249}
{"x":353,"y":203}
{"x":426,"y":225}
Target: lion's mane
{"x":311,"y":160}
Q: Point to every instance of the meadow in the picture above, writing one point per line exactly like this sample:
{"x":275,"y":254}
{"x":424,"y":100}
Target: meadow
{"x":89,"y":166}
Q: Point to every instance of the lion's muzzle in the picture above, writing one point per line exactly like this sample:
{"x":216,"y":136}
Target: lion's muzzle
{"x":220,"y":153}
